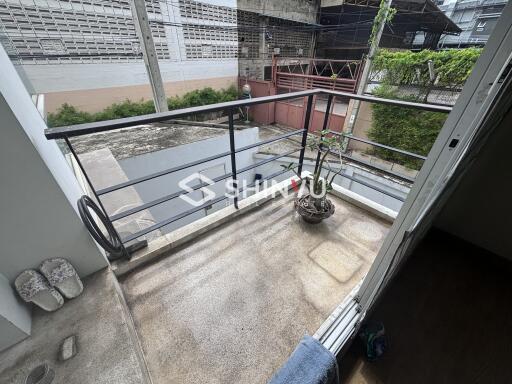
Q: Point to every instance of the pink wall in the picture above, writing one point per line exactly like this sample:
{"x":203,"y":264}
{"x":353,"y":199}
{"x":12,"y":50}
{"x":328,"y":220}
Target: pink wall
{"x":289,"y":115}
{"x":262,"y":113}
{"x":336,"y":122}
{"x":286,"y":113}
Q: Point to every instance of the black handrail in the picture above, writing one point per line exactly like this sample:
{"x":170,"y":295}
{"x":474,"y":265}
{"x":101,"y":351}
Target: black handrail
{"x":104,"y":126}
{"x":110,"y":125}
{"x":383,"y":146}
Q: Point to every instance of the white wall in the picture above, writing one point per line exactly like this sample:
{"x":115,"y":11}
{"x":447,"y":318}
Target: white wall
{"x":358,"y":173}
{"x":148,"y":163}
{"x":38,"y":191}
{"x":45,"y":78}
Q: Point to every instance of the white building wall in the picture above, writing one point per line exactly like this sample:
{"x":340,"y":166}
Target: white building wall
{"x":38,"y":196}
{"x":74,"y":77}
{"x":148,"y":163}
{"x":63,"y":46}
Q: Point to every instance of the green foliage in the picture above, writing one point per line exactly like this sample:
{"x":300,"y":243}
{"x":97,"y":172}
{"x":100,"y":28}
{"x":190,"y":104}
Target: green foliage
{"x":452,"y":67}
{"x":383,"y":13}
{"x":410,"y":129}
{"x":69,"y":115}
{"x":321,"y":182}
{"x":404,"y":128}
{"x":203,"y":96}
{"x":125,"y":109}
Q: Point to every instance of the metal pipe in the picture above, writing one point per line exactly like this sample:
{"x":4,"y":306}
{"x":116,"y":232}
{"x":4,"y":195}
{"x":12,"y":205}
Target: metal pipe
{"x":305,"y":133}
{"x":160,"y":173}
{"x":233,"y":156}
{"x":163,"y":199}
{"x":82,"y":168}
{"x":401,"y":151}
{"x":110,"y":125}
{"x":324,"y":128}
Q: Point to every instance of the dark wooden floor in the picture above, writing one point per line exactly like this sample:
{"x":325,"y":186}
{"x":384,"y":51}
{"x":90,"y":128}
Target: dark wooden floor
{"x":448,"y":318}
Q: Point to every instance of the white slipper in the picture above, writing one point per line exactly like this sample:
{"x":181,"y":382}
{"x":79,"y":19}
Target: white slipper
{"x":62,"y":275}
{"x":33,"y":288}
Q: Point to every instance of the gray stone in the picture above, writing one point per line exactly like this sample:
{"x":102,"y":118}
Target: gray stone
{"x":68,"y":348}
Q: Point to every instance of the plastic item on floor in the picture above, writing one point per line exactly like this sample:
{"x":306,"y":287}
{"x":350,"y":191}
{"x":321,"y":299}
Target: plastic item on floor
{"x":374,"y":339}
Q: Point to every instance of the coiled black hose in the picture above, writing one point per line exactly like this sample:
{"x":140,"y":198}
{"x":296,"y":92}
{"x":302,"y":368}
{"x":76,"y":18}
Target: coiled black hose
{"x":111,"y":243}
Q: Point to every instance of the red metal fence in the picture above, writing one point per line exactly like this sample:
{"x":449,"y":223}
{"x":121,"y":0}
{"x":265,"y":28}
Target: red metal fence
{"x":304,"y":73}
{"x":286,"y":113}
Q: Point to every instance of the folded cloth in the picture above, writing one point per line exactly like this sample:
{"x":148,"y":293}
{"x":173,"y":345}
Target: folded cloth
{"x":310,"y":363}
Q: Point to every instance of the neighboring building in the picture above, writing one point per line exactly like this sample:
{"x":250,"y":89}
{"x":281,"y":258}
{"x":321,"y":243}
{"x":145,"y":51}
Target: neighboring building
{"x":267,"y":28}
{"x":87,"y":53}
{"x":476,"y":18}
{"x":347,"y":25}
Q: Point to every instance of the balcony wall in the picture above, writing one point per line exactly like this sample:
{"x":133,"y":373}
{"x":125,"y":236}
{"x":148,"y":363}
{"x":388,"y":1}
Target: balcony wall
{"x":39,"y":192}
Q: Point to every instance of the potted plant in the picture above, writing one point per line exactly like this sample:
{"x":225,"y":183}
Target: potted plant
{"x":314,"y":206}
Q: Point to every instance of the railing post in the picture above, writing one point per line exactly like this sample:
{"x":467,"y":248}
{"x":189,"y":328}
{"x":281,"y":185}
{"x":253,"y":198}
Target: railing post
{"x":305,"y":133}
{"x":233,"y":155}
{"x":324,"y":128}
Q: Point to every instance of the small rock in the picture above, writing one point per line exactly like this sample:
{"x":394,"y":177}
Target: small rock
{"x":68,"y":348}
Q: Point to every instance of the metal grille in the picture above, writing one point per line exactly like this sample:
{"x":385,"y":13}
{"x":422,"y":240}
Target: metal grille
{"x":197,"y":32}
{"x":288,"y":38}
{"x":201,"y":11}
{"x":41,"y":31}
{"x":248,"y":35}
{"x":208,"y":51}
{"x":209,"y":31}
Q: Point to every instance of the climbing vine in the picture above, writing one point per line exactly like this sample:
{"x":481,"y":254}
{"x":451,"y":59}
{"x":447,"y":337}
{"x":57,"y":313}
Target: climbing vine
{"x":382,"y":15}
{"x":404,"y":128}
{"x":406,"y":75}
{"x":451,"y":67}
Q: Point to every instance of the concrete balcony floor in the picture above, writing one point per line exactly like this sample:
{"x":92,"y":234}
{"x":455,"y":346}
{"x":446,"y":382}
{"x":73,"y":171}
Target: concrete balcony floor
{"x":228,"y":307}
{"x":232,"y":306}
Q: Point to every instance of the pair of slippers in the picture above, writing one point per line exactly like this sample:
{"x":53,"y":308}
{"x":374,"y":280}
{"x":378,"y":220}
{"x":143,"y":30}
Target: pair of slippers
{"x":57,"y":278}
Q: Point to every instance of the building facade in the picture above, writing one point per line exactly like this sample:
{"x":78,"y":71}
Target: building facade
{"x":476,"y":18}
{"x":87,"y":53}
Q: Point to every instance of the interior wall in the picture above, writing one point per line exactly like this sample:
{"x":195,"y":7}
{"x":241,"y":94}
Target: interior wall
{"x":38,"y":191}
{"x":480,"y":209}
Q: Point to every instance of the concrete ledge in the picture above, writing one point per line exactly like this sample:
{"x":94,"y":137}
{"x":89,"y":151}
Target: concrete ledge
{"x":187,"y":233}
{"x":364,"y":203}
{"x":182,"y":235}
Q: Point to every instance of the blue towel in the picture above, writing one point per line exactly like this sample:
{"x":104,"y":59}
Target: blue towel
{"x":310,"y":363}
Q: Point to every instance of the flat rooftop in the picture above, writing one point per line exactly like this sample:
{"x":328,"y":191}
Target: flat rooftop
{"x":228,"y":307}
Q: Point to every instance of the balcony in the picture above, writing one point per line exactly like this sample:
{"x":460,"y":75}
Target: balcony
{"x":224,"y":296}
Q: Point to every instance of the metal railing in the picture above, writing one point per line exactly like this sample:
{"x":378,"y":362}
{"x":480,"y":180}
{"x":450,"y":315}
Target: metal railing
{"x":296,"y":74}
{"x":230,"y":107}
